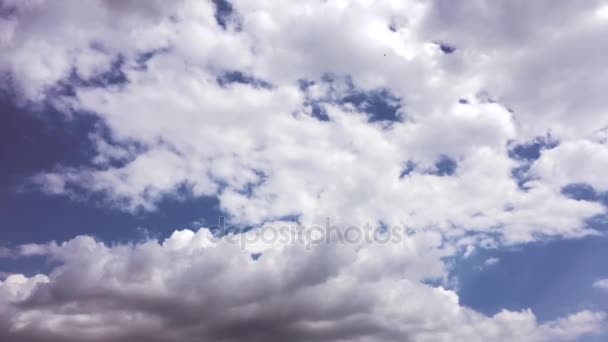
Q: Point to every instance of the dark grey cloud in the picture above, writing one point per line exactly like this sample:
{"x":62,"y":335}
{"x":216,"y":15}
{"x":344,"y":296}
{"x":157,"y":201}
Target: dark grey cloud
{"x":191,"y":288}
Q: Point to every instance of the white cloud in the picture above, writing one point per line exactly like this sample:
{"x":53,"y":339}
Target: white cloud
{"x":530,"y":59}
{"x":469,"y":250}
{"x":261,"y":153}
{"x":574,"y":162}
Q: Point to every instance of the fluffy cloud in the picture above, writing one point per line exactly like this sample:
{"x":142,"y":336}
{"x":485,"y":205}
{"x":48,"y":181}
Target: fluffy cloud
{"x":573,"y":162}
{"x":193,"y":287}
{"x":397,"y":113}
{"x":264,"y":152}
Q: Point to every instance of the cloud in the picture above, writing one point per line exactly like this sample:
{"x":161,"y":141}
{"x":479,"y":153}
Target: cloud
{"x":601,"y":284}
{"x":573,"y":162}
{"x":469,"y":250}
{"x":491,"y":261}
{"x":309,"y":110}
{"x":176,"y":124}
{"x":192,"y":287}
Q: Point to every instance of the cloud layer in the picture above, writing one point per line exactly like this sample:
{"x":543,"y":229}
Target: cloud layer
{"x":192,"y":287}
{"x":461,"y":122}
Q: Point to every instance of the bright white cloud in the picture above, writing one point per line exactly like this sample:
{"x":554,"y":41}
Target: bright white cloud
{"x":574,"y":162}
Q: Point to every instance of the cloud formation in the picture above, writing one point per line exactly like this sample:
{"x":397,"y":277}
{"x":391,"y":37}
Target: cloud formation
{"x":158,"y":80}
{"x":402,"y":113}
{"x":191,"y":287}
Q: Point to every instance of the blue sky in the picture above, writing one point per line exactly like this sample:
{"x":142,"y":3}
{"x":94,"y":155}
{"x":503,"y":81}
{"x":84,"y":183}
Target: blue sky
{"x":130,"y":130}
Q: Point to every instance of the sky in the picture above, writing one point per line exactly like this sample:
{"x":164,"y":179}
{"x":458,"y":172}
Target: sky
{"x":304,"y":171}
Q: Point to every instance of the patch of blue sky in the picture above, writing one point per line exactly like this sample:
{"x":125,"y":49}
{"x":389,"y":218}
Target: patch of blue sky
{"x":553,"y":278}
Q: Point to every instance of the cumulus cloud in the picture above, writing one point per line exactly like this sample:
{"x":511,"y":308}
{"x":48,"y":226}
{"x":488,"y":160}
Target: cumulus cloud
{"x":573,"y":162}
{"x":234,"y":111}
{"x":393,"y":113}
{"x":193,"y":287}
